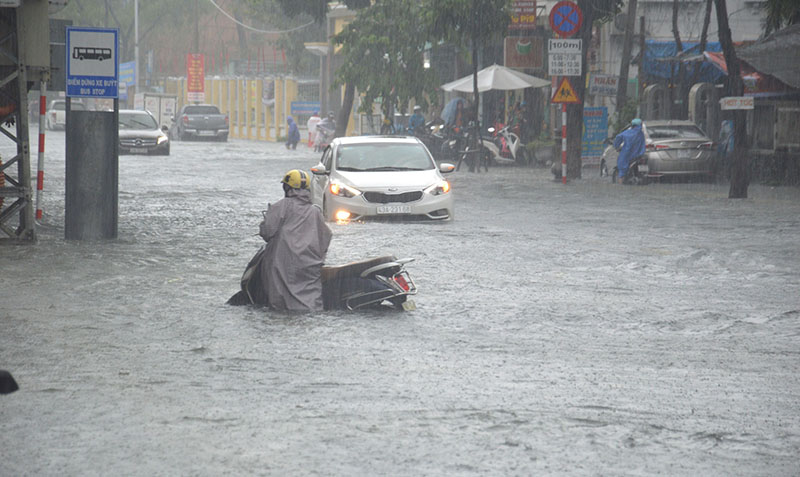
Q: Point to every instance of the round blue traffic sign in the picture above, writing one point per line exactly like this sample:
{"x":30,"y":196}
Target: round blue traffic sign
{"x":565,"y":18}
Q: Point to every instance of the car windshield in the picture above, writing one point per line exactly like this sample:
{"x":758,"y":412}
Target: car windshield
{"x":383,"y":157}
{"x":136,"y":121}
{"x":675,"y":132}
{"x":201,"y":110}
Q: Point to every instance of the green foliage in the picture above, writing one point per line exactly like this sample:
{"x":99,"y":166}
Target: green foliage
{"x":625,"y":115}
{"x":154,"y":16}
{"x":383,"y":56}
{"x":781,"y":13}
{"x":463,"y":21}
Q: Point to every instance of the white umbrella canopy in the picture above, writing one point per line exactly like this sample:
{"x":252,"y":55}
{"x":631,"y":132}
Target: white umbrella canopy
{"x":496,"y":77}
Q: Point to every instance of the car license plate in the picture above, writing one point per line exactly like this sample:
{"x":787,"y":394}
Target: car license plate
{"x":409,"y":305}
{"x":394,"y":209}
{"x":138,"y":150}
{"x":684,"y":153}
{"x":643,"y":169}
{"x":206,"y":133}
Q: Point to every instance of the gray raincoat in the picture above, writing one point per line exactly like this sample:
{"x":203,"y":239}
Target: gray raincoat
{"x":297,"y":241}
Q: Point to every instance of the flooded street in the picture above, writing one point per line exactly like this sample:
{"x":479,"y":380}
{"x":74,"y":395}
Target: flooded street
{"x":586,"y":329}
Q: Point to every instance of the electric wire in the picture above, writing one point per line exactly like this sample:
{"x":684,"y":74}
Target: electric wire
{"x":256,"y":29}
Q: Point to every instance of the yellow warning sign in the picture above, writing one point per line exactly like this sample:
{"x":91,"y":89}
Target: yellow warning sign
{"x":565,"y":93}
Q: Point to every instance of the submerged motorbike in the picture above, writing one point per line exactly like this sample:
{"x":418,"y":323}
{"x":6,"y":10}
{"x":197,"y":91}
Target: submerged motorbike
{"x":375,"y":282}
{"x":637,"y":173}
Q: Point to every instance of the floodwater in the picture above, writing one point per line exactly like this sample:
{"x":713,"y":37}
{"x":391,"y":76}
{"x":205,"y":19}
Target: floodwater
{"x":586,"y":329}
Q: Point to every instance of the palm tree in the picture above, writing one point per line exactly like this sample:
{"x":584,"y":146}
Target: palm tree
{"x":781,"y":13}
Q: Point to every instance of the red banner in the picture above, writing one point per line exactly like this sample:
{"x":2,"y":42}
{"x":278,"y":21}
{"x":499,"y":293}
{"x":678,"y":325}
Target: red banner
{"x":195,"y":76}
{"x":523,"y":15}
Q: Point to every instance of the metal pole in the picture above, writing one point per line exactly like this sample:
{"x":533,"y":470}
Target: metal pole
{"x":563,"y":143}
{"x":40,"y":166}
{"x":136,"y":46}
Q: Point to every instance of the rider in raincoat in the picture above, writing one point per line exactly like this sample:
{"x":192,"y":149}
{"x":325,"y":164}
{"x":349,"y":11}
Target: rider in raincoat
{"x":631,"y":141}
{"x":297,"y":241}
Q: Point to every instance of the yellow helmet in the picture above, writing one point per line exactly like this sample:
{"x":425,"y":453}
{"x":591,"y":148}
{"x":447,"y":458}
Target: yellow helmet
{"x":296,"y":179}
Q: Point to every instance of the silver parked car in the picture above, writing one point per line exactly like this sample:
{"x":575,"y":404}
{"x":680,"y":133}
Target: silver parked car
{"x":383,"y":177}
{"x":672,"y":148}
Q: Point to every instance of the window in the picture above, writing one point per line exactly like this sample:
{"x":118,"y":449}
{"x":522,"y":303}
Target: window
{"x":201,"y":110}
{"x":383,"y":157}
{"x":763,"y":127}
{"x":788,"y":133}
{"x":675,"y":132}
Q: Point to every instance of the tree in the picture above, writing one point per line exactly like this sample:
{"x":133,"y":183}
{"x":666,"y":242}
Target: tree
{"x":593,"y":10}
{"x":318,"y":9}
{"x":382,"y":51}
{"x":467,"y":22}
{"x":781,"y":13}
{"x":153,"y":16}
{"x":740,"y":178}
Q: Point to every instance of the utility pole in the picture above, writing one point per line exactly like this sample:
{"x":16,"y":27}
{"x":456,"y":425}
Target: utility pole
{"x":136,"y":46}
{"x":740,"y":179}
{"x":627,"y":46}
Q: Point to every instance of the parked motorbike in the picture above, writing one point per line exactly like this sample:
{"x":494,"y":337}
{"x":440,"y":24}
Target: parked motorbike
{"x":375,"y":282}
{"x":507,"y":148}
{"x":432,"y":136}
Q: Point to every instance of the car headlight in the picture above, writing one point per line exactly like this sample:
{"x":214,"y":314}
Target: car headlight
{"x":162,"y":139}
{"x":343,"y":190}
{"x":441,"y":187}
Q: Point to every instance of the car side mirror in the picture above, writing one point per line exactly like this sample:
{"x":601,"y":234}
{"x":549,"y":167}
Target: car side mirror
{"x":319,"y":170}
{"x":446,"y":167}
{"x":164,"y":128}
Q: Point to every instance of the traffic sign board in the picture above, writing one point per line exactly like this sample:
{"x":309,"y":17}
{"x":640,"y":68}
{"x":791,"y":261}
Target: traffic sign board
{"x":565,"y":93}
{"x":92,"y":66}
{"x":564,"y":57}
{"x":565,"y":18}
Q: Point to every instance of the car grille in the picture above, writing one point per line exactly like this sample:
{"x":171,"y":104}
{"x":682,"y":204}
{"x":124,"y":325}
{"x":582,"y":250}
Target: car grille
{"x":381,"y":198}
{"x":137,"y":142}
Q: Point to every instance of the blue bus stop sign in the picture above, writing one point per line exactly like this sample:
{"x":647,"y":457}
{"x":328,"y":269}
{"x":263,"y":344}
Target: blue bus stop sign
{"x":92,"y":64}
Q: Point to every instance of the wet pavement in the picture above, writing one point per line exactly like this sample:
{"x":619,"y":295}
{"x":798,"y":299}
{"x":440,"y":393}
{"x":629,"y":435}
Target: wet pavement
{"x":586,"y":329}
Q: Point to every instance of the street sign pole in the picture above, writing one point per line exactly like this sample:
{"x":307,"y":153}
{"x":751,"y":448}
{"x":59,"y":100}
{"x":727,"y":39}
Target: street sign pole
{"x":565,"y":20}
{"x":91,"y":205}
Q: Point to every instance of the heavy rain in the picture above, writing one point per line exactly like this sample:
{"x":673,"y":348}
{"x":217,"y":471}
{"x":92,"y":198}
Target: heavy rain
{"x":562,"y":326}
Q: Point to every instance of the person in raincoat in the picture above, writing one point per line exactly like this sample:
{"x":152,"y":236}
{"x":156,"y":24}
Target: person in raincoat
{"x":416,"y":122}
{"x":297,"y":241}
{"x":631,"y":142}
{"x":294,"y":134}
{"x":311,"y":126}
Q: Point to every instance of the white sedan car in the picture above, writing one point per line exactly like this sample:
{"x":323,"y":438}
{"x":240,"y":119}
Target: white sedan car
{"x":381,"y":177}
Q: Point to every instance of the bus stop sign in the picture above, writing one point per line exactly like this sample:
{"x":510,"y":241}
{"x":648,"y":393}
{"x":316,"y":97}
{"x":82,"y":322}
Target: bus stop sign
{"x":92,"y":64}
{"x":565,"y":18}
